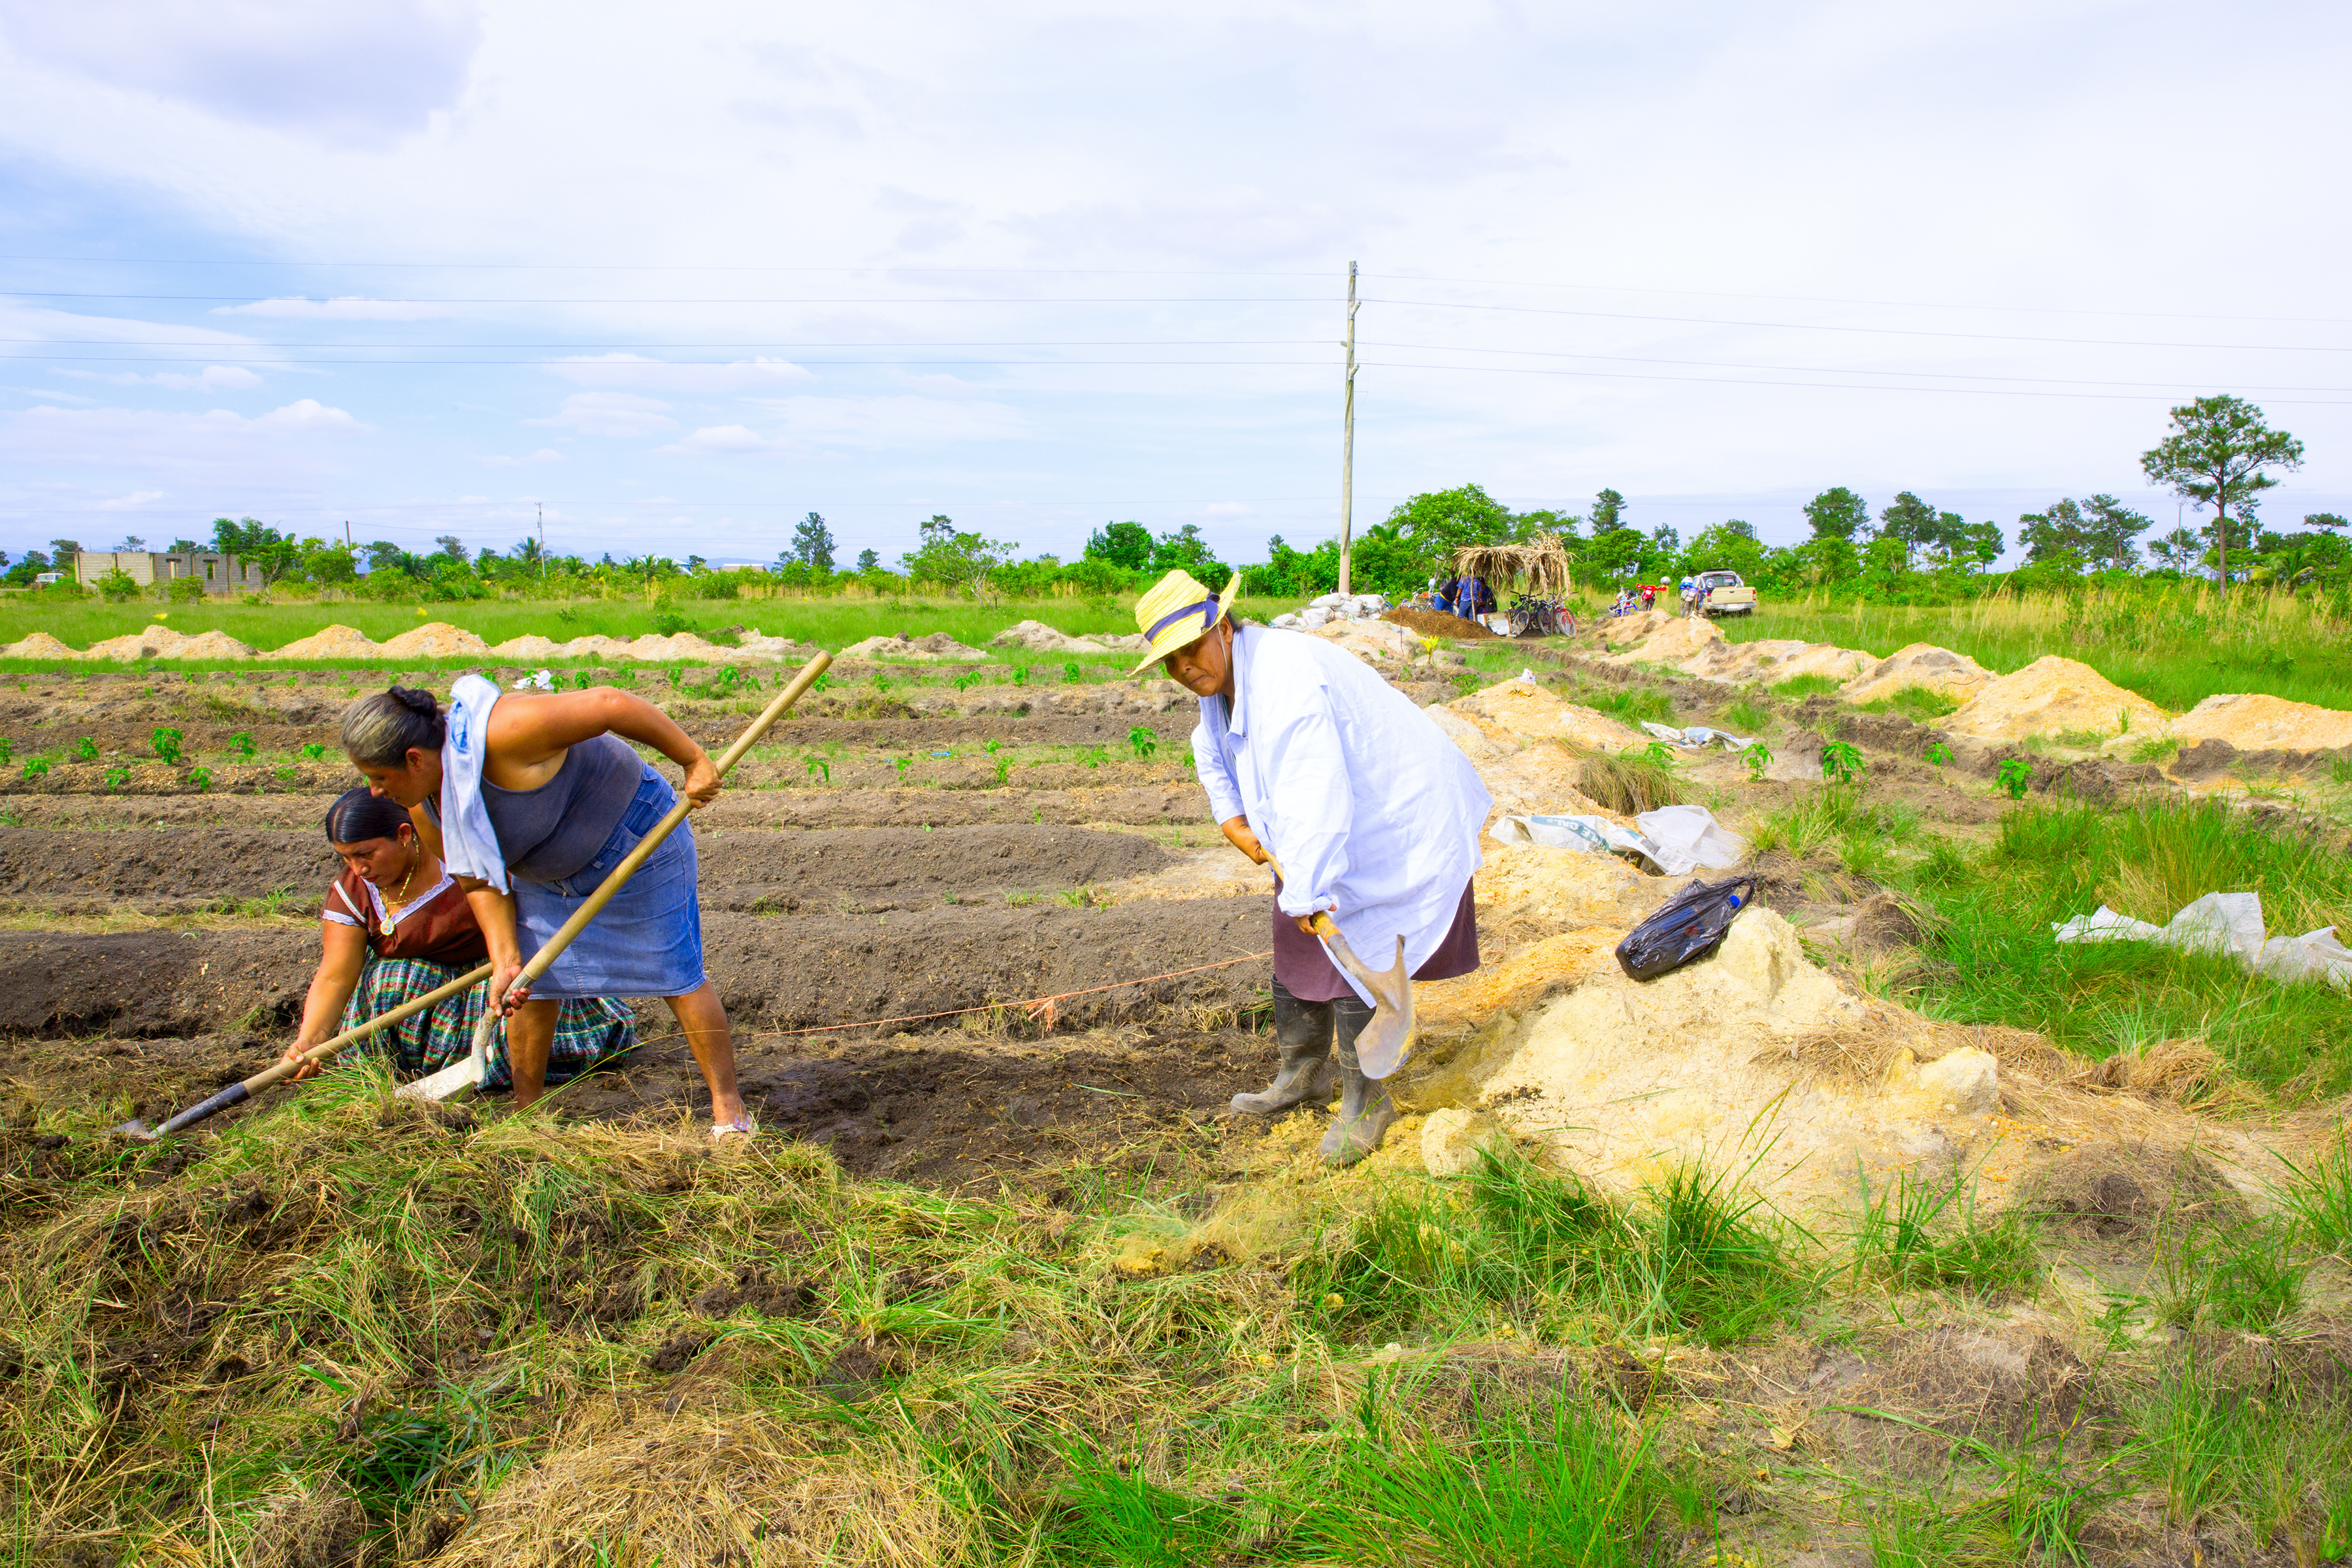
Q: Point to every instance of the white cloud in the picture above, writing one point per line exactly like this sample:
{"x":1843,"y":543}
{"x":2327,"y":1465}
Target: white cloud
{"x":342,"y":308}
{"x":635,"y":370}
{"x":203,"y":445}
{"x":39,"y":324}
{"x":544,"y":455}
{"x":135,"y":498}
{"x":729,"y":441}
{"x":212,"y":378}
{"x":611,"y":414}
{"x":1217,"y":511}
{"x":897,"y":421}
{"x":351,"y":73}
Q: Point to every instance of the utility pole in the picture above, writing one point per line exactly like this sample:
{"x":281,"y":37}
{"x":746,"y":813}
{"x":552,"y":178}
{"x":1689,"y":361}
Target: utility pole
{"x":543,"y":542}
{"x":347,"y":537}
{"x":1347,"y":438}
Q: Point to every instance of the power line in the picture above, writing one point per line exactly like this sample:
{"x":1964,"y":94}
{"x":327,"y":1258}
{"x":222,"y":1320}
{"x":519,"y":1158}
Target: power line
{"x":1883,"y":331}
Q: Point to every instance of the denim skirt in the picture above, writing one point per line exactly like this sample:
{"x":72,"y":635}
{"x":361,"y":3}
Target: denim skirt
{"x":648,"y":940}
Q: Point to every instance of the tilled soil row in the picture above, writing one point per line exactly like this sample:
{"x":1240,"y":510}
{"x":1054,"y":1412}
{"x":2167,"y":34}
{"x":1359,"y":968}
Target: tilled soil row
{"x":1137,"y":804}
{"x":945,"y":1108}
{"x":818,"y":969}
{"x":764,"y":871}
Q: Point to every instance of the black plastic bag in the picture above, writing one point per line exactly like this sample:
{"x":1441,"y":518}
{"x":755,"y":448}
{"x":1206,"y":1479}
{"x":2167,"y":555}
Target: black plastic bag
{"x":1689,"y":925}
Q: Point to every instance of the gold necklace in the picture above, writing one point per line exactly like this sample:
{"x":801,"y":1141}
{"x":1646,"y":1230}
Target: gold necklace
{"x":414,"y":861}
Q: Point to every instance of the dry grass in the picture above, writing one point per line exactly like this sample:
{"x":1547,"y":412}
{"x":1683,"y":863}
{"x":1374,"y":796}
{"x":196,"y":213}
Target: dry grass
{"x":633,"y":1488}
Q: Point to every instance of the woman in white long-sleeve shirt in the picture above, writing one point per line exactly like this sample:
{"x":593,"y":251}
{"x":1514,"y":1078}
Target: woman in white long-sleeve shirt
{"x":1307,"y":754}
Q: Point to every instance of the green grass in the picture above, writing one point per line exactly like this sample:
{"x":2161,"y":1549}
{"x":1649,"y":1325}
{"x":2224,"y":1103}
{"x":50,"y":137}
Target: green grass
{"x":1630,"y":704}
{"x":2053,"y":860}
{"x":1630,"y":783}
{"x":2174,"y":646}
{"x":1837,"y":814}
{"x":1690,"y":1257}
{"x":1743,"y":718}
{"x":1915,"y":703}
{"x":1918,"y":1234}
{"x":2273,"y":1463}
{"x":830,"y":623}
{"x":1798,"y":687}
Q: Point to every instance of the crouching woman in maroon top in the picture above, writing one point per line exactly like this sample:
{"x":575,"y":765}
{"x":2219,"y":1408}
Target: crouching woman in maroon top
{"x":396,"y":926}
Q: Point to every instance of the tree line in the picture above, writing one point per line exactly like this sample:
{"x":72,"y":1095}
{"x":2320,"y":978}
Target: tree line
{"x":2218,"y":453}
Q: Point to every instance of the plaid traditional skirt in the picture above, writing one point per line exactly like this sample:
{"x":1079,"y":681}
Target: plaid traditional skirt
{"x":587,"y":1031}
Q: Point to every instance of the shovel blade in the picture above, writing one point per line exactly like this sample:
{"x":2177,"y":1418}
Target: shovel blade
{"x":138,"y":1130}
{"x":1383,"y":1047}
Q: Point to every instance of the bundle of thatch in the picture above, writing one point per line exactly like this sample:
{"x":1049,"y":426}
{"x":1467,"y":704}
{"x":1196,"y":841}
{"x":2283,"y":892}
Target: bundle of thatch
{"x":1543,"y":561}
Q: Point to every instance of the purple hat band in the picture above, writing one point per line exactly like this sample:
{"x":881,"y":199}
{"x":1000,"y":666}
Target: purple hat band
{"x":1206,"y":609}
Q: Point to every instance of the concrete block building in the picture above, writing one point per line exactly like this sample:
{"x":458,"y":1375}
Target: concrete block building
{"x":221,"y":575}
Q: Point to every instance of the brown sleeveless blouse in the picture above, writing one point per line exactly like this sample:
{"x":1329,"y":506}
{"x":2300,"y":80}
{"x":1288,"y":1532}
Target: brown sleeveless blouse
{"x":438,"y":927}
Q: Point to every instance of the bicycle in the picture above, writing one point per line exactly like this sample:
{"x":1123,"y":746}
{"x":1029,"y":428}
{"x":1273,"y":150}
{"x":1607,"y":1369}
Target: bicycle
{"x":1534,"y":616}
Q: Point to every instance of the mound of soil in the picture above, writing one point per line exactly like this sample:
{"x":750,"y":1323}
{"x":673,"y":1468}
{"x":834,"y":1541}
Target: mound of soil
{"x":434,"y":639}
{"x":2052,"y":695}
{"x":1431,"y":623}
{"x":2256,"y":723}
{"x":337,"y":641}
{"x":1924,"y":665}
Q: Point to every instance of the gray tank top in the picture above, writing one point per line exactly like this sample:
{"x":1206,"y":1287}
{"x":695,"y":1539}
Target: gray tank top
{"x":549,"y":833}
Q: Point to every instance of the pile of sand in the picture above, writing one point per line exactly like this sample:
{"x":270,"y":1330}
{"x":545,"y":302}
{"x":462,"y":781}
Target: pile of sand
{"x":1688,"y":642}
{"x":1776,"y":661}
{"x":211,"y":645}
{"x":2261,"y":723}
{"x":434,"y":639}
{"x":1516,"y":711}
{"x":528,"y":650}
{"x":656,"y":648}
{"x":38,"y":645}
{"x":1625,"y":1081}
{"x":935,"y":648}
{"x":1619,"y":631}
{"x":147,"y":642}
{"x":335,"y":642}
{"x":1039,"y":637}
{"x":2053,"y":696}
{"x":754,"y":644}
{"x":1937,"y":669}
{"x":1377,"y":642}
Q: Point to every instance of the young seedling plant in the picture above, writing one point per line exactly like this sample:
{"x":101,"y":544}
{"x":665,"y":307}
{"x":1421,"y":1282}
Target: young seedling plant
{"x":1841,"y":763}
{"x":311,"y":750}
{"x":1939,"y":754}
{"x":1144,"y":742}
{"x":902,"y":765}
{"x":242,"y":744}
{"x":1758,"y":756}
{"x":38,"y":767}
{"x":1070,"y":673}
{"x":2015,"y":777}
{"x":86,"y":750}
{"x":818,"y":767}
{"x":116,"y":776}
{"x":167,"y":745}
{"x":202,"y":778}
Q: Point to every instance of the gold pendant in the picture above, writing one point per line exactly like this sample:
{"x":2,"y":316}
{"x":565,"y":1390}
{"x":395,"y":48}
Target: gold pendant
{"x":387,"y":926}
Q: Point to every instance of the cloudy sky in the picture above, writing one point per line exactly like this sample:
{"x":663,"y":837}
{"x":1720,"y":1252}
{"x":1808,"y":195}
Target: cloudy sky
{"x":678,"y":275}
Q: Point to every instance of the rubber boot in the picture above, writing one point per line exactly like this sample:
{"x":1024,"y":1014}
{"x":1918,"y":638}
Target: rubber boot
{"x":1364,"y":1113}
{"x":1302,"y":1032}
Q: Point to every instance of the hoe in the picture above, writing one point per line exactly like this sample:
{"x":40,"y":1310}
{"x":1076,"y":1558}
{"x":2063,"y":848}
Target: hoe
{"x":461,"y":1078}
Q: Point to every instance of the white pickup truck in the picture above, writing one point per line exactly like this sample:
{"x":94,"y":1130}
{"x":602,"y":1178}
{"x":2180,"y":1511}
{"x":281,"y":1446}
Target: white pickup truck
{"x":1723,"y":593}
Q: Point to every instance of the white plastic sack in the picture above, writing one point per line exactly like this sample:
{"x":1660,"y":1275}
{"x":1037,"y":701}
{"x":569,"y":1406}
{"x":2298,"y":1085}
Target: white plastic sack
{"x":1675,"y":839}
{"x":1692,"y":831}
{"x":2230,"y":923}
{"x":1697,"y":737}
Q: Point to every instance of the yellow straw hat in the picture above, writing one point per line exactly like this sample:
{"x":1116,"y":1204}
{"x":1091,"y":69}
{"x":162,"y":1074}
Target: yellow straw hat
{"x":1176,"y":611}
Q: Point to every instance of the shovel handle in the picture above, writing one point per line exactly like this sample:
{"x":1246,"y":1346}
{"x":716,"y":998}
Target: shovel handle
{"x":1323,"y":923}
{"x":618,"y":877}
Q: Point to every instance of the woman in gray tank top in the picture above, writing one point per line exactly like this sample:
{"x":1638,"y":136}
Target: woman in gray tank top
{"x":567,"y":799}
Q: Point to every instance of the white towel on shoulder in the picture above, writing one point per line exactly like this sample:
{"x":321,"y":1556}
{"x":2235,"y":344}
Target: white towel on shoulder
{"x":469,"y":846}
